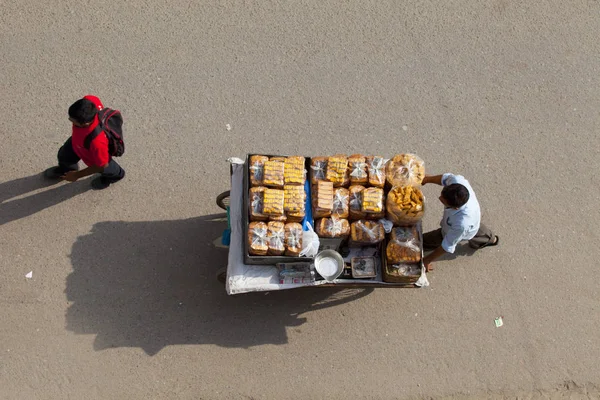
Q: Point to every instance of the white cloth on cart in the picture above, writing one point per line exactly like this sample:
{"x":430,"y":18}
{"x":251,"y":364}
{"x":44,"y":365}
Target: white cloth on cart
{"x":242,"y":278}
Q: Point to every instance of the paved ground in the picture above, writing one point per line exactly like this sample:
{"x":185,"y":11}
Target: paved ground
{"x":123,"y":303}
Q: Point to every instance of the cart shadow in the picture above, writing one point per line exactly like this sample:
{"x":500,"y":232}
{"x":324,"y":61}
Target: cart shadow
{"x":153,"y":284}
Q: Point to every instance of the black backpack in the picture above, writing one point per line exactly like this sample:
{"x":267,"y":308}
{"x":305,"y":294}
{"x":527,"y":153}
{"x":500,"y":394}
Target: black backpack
{"x":111,"y":123}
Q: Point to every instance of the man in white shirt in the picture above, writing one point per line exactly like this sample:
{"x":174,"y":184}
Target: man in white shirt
{"x":461,"y":220}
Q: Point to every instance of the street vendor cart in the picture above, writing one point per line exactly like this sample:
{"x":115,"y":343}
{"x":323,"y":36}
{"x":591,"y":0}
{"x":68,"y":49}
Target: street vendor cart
{"x":362,"y":266}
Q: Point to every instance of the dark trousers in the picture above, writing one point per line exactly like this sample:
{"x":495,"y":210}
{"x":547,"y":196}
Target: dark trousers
{"x":68,"y":159}
{"x":433,"y":239}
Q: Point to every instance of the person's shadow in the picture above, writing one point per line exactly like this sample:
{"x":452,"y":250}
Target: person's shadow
{"x":153,"y":284}
{"x":14,"y":207}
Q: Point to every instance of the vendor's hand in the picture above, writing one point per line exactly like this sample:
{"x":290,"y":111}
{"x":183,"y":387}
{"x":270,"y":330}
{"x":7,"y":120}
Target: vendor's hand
{"x":70,"y":176}
{"x":428,"y":266}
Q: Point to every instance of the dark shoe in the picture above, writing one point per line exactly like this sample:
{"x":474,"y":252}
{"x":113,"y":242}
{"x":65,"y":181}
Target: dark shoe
{"x":100,"y":183}
{"x":54,"y":173}
{"x":488,"y":244}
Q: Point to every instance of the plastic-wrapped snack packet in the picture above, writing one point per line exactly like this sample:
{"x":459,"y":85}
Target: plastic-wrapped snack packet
{"x":276,"y":238}
{"x":358,"y":169}
{"x":273,"y":174}
{"x":332,"y":227}
{"x":256,"y":203}
{"x":405,"y":170}
{"x":376,"y":169}
{"x":257,"y":239}
{"x":294,"y":172}
{"x":341,"y":203}
{"x":293,"y":239}
{"x":322,"y":199}
{"x":355,"y":203}
{"x":405,"y":205}
{"x":366,"y":232}
{"x":257,"y":169}
{"x":337,"y":170}
{"x":318,"y":165}
{"x":372,"y":200}
{"x":273,"y":202}
{"x":404,"y":245}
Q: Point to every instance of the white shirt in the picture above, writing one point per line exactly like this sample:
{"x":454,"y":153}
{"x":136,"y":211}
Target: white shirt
{"x":461,"y":224}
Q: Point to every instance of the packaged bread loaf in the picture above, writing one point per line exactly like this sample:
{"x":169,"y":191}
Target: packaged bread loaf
{"x":376,"y":170}
{"x":278,"y":158}
{"x":273,"y":173}
{"x":333,"y":227}
{"x":405,"y":170}
{"x":294,"y":172}
{"x":255,"y":204}
{"x":337,"y":170}
{"x":372,"y":200}
{"x":322,"y":199}
{"x":294,"y":198}
{"x":296,"y":216}
{"x":276,"y":238}
{"x":357,"y":166}
{"x":341,"y":203}
{"x":278,"y":218}
{"x":405,"y":205}
{"x":404,"y":245}
{"x":273,"y":202}
{"x":293,"y":239}
{"x":257,"y":239}
{"x":257,"y":169}
{"x":367,"y":232}
{"x":355,"y":203}
{"x":318,"y":166}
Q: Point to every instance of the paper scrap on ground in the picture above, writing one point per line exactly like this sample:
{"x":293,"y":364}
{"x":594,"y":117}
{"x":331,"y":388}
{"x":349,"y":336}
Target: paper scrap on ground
{"x":498,"y":321}
{"x":228,"y":127}
{"x":29,"y":275}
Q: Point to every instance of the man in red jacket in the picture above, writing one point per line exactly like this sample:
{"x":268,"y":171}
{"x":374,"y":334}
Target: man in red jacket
{"x":84,"y":116}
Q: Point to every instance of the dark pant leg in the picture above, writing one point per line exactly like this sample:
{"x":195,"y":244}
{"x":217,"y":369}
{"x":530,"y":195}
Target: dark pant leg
{"x":484,"y":236}
{"x":113,"y":172}
{"x":67,"y":158}
{"x":432,"y":240}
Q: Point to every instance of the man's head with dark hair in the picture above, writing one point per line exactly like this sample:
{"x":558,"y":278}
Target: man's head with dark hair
{"x":82,"y":112}
{"x":455,"y":195}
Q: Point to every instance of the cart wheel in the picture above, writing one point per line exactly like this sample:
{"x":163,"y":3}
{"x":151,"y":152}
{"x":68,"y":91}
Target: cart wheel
{"x":223,"y":200}
{"x":222,"y":275}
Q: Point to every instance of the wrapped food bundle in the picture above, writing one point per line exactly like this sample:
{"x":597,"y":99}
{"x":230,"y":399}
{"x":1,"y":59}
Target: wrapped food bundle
{"x":273,"y":202}
{"x":401,"y":273}
{"x":273,"y":173}
{"x":322,"y":199}
{"x":257,"y":239}
{"x":318,"y":165}
{"x":294,"y":198}
{"x":376,"y":170}
{"x":405,"y":170}
{"x":276,"y":238}
{"x":255,"y":204}
{"x":357,"y":166}
{"x":257,"y":169}
{"x":332,"y":227}
{"x":278,"y":218}
{"x":355,"y":203}
{"x":367,"y":232}
{"x":294,"y":172}
{"x":278,"y":158}
{"x":296,"y":216}
{"x":293,"y":239}
{"x":341,"y":200}
{"x":372,"y":200}
{"x":337,"y":170}
{"x":404,"y":246}
{"x":405,"y":205}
